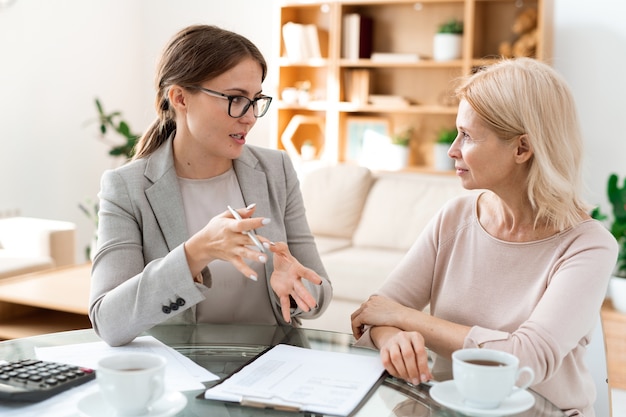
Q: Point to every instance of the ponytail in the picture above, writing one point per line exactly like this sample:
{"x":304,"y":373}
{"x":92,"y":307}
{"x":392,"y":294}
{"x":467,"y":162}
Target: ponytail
{"x":158,"y":132}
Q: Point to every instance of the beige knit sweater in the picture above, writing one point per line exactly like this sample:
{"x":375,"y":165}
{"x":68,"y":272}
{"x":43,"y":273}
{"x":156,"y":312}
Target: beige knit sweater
{"x":539,"y":300}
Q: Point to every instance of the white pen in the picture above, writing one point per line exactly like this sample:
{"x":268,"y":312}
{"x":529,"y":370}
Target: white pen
{"x":249,"y":233}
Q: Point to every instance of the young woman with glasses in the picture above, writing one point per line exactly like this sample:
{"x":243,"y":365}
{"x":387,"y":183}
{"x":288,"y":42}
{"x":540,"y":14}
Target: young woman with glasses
{"x":176,"y":235}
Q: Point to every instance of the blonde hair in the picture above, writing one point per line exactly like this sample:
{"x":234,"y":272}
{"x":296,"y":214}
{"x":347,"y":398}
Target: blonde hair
{"x":526,"y":97}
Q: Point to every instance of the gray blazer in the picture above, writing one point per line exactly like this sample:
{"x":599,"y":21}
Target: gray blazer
{"x":140,"y":275}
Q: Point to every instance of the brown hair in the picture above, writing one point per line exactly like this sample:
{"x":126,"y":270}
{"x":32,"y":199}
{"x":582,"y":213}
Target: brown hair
{"x":195,"y":54}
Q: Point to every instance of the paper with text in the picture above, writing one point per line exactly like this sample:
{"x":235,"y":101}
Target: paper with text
{"x":302,"y":379}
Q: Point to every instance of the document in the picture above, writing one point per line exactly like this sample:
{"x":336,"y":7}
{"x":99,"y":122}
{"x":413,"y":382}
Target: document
{"x":182,"y":374}
{"x":300,"y":379}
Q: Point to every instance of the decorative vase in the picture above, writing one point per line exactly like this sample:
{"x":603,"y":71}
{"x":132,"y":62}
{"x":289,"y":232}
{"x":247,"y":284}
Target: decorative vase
{"x":617,"y":292}
{"x":308,"y":152}
{"x":442,"y":161}
{"x":447,"y":46}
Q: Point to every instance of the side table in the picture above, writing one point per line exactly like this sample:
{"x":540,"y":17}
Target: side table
{"x":614,"y":326}
{"x":45,"y":302}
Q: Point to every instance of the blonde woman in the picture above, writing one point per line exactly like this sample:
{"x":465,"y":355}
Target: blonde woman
{"x":519,"y":267}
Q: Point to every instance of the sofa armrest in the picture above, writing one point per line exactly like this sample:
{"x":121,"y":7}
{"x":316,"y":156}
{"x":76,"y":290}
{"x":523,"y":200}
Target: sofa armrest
{"x":39,"y":238}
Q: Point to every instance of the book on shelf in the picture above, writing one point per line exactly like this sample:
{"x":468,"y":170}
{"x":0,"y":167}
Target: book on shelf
{"x":301,"y":41}
{"x":357,"y":85}
{"x":387,"y":100}
{"x":357,"y":36}
{"x":394,"y":57}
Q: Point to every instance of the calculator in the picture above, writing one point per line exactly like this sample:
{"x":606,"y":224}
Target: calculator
{"x":33,"y":380}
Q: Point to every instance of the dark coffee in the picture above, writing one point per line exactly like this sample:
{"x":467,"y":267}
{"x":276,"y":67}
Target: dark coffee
{"x":485,"y":362}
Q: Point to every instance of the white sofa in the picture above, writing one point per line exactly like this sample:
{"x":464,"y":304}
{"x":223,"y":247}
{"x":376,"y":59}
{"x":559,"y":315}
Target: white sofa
{"x":364,"y":223}
{"x":31,"y":244}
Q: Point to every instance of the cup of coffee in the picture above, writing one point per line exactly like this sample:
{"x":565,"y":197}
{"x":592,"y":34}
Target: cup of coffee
{"x":131,"y":382}
{"x":486,"y":377}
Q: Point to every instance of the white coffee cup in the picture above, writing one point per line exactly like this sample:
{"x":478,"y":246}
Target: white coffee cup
{"x":131,"y":382}
{"x":486,"y":377}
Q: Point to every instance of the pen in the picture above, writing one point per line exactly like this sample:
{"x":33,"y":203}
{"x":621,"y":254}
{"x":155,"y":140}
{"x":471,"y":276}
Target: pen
{"x":249,"y":233}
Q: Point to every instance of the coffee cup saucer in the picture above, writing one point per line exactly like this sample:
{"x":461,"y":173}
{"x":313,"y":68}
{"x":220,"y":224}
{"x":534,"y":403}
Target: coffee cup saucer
{"x":93,"y":405}
{"x":446,"y":394}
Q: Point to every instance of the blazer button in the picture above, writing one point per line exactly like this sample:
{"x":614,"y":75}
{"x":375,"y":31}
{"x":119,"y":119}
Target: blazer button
{"x":166,"y":309}
{"x":174,"y":306}
{"x":180,"y":302}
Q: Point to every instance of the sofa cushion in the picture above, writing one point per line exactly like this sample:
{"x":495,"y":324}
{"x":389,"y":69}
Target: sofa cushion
{"x":16,"y":263}
{"x":399,"y":206}
{"x":358,"y":272}
{"x":334,"y":197}
{"x":327,"y":244}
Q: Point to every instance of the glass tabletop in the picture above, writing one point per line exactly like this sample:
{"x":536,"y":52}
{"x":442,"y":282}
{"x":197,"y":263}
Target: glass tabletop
{"x":222,"y":349}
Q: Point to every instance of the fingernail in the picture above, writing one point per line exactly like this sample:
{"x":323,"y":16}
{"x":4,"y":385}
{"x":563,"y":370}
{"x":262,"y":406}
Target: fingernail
{"x":424,"y":378}
{"x":253,"y":277}
{"x":266,"y":221}
{"x":415,"y":381}
{"x":262,"y":259}
{"x":251,"y":206}
{"x":266,"y":245}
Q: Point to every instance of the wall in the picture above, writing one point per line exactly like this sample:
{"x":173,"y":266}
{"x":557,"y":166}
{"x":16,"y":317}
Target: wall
{"x":56,"y":56}
{"x":590,"y":51}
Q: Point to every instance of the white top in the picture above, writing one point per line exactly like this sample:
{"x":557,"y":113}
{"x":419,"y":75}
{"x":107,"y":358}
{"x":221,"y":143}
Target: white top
{"x":204,"y":199}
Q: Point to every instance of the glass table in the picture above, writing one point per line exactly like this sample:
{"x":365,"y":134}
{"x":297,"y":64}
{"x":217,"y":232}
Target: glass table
{"x":222,"y":349}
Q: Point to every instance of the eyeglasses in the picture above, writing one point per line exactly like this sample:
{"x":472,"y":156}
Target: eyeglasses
{"x":239,"y":105}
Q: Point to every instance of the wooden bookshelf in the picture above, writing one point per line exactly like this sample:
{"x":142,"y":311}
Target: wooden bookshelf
{"x":399,"y":27}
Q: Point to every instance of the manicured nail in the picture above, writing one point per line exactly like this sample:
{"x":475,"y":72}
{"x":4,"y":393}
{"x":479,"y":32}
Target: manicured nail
{"x":262,"y":259}
{"x":424,"y":378}
{"x":253,"y":277}
{"x":266,"y":221}
{"x":416,"y":381}
{"x":251,"y":206}
{"x":266,"y":245}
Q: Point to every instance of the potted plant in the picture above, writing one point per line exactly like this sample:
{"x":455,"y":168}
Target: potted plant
{"x":113,"y":121}
{"x":107,"y":122}
{"x":448,"y":41}
{"x":399,"y":150}
{"x":444,"y":139}
{"x":308,"y":151}
{"x":617,"y":198}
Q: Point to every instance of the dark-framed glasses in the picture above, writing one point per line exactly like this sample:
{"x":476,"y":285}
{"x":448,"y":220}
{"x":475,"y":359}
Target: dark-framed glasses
{"x":239,"y":105}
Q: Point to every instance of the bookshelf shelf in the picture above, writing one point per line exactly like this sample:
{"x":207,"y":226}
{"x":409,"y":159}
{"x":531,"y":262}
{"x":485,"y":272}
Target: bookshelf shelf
{"x":401,"y":43}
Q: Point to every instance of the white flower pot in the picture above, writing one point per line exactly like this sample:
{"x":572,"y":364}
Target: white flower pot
{"x":447,"y":46}
{"x":442,"y":161}
{"x":617,"y":291}
{"x":397,"y":157}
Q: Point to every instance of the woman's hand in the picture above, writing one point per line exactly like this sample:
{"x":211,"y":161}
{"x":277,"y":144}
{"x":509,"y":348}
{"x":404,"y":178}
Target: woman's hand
{"x":377,"y":311}
{"x":286,"y":280}
{"x":224,"y":238}
{"x":404,"y":356}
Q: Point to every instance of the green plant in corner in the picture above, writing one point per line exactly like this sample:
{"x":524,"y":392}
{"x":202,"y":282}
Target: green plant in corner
{"x":402,"y":138}
{"x":454,"y":26}
{"x":114,"y":122}
{"x":617,"y":198}
{"x":447,"y":136}
{"x":109,"y":122}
